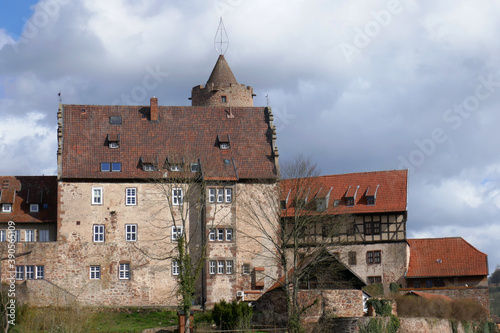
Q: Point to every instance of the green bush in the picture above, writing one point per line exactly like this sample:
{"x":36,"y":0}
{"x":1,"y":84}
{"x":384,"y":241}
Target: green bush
{"x":382,"y":307}
{"x":394,"y":287}
{"x":379,"y":325}
{"x":232,"y":316}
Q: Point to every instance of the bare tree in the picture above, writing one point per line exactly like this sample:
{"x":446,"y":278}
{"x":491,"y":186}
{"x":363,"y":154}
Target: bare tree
{"x":296,"y":223}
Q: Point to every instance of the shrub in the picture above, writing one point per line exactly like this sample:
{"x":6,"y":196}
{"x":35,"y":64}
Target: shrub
{"x":379,"y":325}
{"x":468,"y":310}
{"x":394,"y":287}
{"x":232,"y":316}
{"x":382,"y":307}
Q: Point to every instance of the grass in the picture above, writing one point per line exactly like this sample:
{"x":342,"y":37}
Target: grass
{"x":131,"y":320}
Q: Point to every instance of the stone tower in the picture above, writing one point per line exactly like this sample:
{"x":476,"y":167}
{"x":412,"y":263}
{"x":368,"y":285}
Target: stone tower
{"x":222,"y":89}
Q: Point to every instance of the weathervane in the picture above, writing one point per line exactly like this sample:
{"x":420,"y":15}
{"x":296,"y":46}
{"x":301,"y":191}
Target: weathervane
{"x":221,"y":41}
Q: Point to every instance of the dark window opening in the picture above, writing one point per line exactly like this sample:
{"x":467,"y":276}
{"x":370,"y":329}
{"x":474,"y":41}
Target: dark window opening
{"x":352,"y":258}
{"x":223,"y":99}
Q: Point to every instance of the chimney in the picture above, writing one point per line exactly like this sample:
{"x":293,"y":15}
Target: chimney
{"x":153,"y":115}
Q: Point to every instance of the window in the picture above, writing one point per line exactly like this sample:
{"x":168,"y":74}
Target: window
{"x":113,"y":144}
{"x":124,"y":271}
{"x":177,"y":196}
{"x":195,"y":167}
{"x":97,"y":195}
{"x":229,"y":195}
{"x":227,"y":161}
{"x":351,"y":228}
{"x":105,"y":167}
{"x":19,"y":272}
{"x":34,"y":208}
{"x":220,"y":234}
{"x":98,"y":233}
{"x":15,"y":234}
{"x":29,"y":235}
{"x":30,"y":272}
{"x":211,"y":234}
{"x":175,"y":267}
{"x":246,"y":269}
{"x":211,"y":195}
{"x":115,"y":120}
{"x":116,"y":167}
{"x":374,"y":279}
{"x":211,"y":266}
{"x":428,"y":283}
{"x":220,"y":195}
{"x":43,"y":235}
{"x":148,"y":167}
{"x":220,"y":267}
{"x":176,"y":233}
{"x":2,"y":236}
{"x":95,"y":272}
{"x":130,"y":196}
{"x":349,"y":201}
{"x":229,"y":235}
{"x":6,"y":208}
{"x":370,"y":200}
{"x":336,"y":203}
{"x":175,"y":167}
{"x":224,"y":145}
{"x":372,"y":228}
{"x":229,"y":267}
{"x":40,"y":272}
{"x":130,"y":232}
{"x":223,"y":99}
{"x":373,"y":257}
{"x":351,"y":258}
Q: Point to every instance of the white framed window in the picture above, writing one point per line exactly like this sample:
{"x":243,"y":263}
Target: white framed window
{"x":175,"y":167}
{"x":229,"y":267}
{"x":95,"y":272}
{"x":98,"y":233}
{"x":15,"y":234}
{"x":148,"y":167}
{"x":2,"y":235}
{"x":124,"y":271}
{"x":246,"y":269}
{"x":175,"y":267}
{"x":211,"y":195}
{"x":30,"y":272}
{"x":40,"y":272}
{"x":113,"y":144}
{"x":220,"y":234}
{"x":176,"y":233}
{"x":177,"y":196}
{"x":34,"y":208}
{"x":116,"y":166}
{"x":229,"y":234}
{"x":97,"y":195}
{"x":220,"y":195}
{"x":29,"y":235}
{"x":6,"y":208}
{"x":131,"y":196}
{"x":19,"y":272}
{"x":43,"y":235}
{"x":130,"y":232}
{"x":195,"y":167}
{"x":229,"y":195}
{"x":211,"y":234}
{"x":220,"y":267}
{"x":211,"y":266}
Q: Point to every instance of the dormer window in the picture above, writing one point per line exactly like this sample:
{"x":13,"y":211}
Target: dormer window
{"x":350,"y":196}
{"x":148,"y":167}
{"x":113,"y":141}
{"x":227,"y":161}
{"x":224,"y":141}
{"x":223,"y":99}
{"x":283,"y":204}
{"x":6,"y":208}
{"x":195,"y":167}
{"x":371,"y":195}
{"x":321,"y":205}
{"x":175,"y":167}
{"x":34,"y":208}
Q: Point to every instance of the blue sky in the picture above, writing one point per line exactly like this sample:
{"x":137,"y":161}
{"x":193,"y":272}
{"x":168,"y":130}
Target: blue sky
{"x":358,"y":85}
{"x":14,"y":14}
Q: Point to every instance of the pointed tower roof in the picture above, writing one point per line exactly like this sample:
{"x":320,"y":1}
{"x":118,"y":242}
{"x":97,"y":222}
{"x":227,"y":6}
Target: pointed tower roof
{"x":221,"y":74}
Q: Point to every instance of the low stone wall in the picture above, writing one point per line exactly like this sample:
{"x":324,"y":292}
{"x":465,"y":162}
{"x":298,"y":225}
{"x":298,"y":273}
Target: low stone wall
{"x":479,"y":294}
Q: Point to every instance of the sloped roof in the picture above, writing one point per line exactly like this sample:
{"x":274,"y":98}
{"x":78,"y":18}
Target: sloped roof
{"x":41,"y":190}
{"x":429,"y":295}
{"x":391,"y":192}
{"x":184,"y":133}
{"x":441,"y":257}
{"x":222,"y":73}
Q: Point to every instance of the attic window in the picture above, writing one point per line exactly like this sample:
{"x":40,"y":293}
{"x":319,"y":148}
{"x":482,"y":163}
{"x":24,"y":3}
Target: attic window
{"x":224,"y":141}
{"x":84,"y":111}
{"x":148,"y":167}
{"x":115,"y":120}
{"x":283,"y":204}
{"x":113,"y":141}
{"x":223,"y":99}
{"x":34,"y":208}
{"x":321,"y":205}
{"x":6,"y":208}
{"x":336,"y":203}
{"x":224,"y":145}
{"x":371,"y":195}
{"x":227,"y":161}
{"x":175,"y":167}
{"x":350,"y":195}
{"x":195,"y":167}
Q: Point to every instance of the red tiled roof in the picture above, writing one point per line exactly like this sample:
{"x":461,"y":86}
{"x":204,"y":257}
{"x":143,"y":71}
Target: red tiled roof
{"x":430,"y":295}
{"x":439,"y":257}
{"x":391,"y":193}
{"x":184,"y":133}
{"x":41,"y":190}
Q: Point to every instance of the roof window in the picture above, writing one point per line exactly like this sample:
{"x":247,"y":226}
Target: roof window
{"x":350,"y":195}
{"x":195,"y":167}
{"x":113,"y":141}
{"x":371,"y":195}
{"x":115,"y":120}
{"x":224,"y":141}
{"x":6,"y":208}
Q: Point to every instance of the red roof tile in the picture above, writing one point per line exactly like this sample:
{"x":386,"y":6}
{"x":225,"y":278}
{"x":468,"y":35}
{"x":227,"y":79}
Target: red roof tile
{"x":440,"y":257}
{"x":28,"y":190}
{"x":391,"y":193}
{"x":186,"y":133}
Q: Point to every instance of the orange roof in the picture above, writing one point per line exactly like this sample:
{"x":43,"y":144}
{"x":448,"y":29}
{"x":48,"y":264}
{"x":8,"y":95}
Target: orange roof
{"x":433,"y":257}
{"x":390,"y":186}
{"x":22,"y":191}
{"x":430,"y":295}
